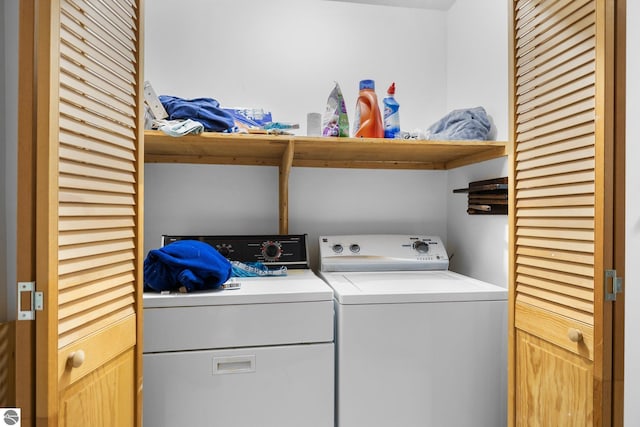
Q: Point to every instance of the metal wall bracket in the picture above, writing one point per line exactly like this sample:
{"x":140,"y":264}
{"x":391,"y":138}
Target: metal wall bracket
{"x":36,"y":301}
{"x":616,"y":285}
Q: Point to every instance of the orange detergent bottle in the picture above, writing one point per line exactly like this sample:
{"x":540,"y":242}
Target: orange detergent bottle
{"x":368,"y":121}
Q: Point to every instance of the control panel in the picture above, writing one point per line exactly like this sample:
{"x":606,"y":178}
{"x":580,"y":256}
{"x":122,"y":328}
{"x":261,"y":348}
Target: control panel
{"x":382,"y":252}
{"x":288,"y":250}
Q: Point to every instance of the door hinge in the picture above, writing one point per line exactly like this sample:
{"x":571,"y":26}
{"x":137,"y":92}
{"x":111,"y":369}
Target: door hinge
{"x":616,"y":285}
{"x":35,"y":298}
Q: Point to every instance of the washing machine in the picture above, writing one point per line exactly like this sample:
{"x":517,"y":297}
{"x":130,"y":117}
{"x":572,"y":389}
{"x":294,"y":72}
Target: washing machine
{"x":416,"y":344}
{"x":259,"y":352}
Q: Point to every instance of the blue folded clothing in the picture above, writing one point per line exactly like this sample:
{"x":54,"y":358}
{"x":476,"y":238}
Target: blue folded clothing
{"x":469,"y":123}
{"x":188,"y":264}
{"x":204,"y":110}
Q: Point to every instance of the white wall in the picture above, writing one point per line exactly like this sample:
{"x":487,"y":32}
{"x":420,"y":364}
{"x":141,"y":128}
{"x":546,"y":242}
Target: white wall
{"x":632,"y":268}
{"x":477,"y":75}
{"x":3,"y":178}
{"x":284,"y":56}
{"x":8,"y":156}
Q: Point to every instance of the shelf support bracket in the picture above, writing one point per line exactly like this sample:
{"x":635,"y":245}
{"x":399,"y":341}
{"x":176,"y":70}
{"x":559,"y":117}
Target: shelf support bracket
{"x":284,"y":171}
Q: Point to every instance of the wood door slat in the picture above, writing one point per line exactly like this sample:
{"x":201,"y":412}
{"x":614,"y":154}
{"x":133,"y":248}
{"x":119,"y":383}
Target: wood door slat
{"x":71,"y":223}
{"x":568,"y":312}
{"x":95,"y":146}
{"x":77,"y":307}
{"x":96,"y":121}
{"x":542,"y":36}
{"x":556,"y":168}
{"x":95,"y":210}
{"x":82,"y":155}
{"x":564,"y":65}
{"x":75,"y":47}
{"x":81,"y":265}
{"x":556,"y":255}
{"x":77,"y":15}
{"x":91,"y":16}
{"x":537,"y":99}
{"x":73,"y":168}
{"x":576,"y":120}
{"x":556,"y":298}
{"x":568,"y":178}
{"x":553,"y":233}
{"x":541,"y":149}
{"x":556,"y":191}
{"x":562,"y":161}
{"x":586,"y":200}
{"x":88,"y":197}
{"x":88,"y":90}
{"x":93,"y":276}
{"x":90,"y":39}
{"x":579,"y":281}
{"x":95,"y":185}
{"x":566,"y":111}
{"x":114,"y":89}
{"x":88,"y":329}
{"x":583,"y":74}
{"x":570,"y":246}
{"x":561,"y":288}
{"x":101,"y":235}
{"x":74,"y":126}
{"x":85,"y":103}
{"x":94,"y":248}
{"x":570,"y":268}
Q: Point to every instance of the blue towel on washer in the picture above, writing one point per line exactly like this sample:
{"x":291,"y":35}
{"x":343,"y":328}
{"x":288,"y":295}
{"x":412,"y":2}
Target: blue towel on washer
{"x":185,"y":265}
{"x":204,"y":110}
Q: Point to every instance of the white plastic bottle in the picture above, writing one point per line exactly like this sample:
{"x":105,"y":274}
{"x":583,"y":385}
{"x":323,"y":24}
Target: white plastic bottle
{"x":391,"y":114}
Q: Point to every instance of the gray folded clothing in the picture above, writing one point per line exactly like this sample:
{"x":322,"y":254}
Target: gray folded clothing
{"x":468,"y":123}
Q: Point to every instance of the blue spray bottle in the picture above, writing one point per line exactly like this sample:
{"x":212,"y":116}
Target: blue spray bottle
{"x":391,"y":114}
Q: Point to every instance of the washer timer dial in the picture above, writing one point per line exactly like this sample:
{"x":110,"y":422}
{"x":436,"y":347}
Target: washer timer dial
{"x":421,"y":246}
{"x":271,"y":250}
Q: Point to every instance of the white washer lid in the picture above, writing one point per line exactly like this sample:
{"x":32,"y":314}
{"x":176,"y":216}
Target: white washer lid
{"x":296,"y":286}
{"x":390,"y":287}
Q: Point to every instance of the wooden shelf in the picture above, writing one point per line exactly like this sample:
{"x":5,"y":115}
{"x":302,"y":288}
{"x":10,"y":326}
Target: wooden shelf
{"x":286,"y":152}
{"x":268,"y":150}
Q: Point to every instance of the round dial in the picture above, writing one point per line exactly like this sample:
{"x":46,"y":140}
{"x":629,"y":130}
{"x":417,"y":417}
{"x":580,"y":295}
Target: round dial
{"x":337,"y":248}
{"x":225,"y":250}
{"x":271,"y":250}
{"x":355,"y":248}
{"x":421,"y":246}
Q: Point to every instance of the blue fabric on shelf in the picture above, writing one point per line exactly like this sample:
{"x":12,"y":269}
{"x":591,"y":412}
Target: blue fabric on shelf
{"x":204,"y":110}
{"x":468,"y":123}
{"x":191,"y":264}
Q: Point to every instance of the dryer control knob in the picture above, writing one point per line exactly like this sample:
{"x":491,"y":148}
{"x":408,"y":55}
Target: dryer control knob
{"x":355,"y":248}
{"x":337,"y":248}
{"x":421,"y":246}
{"x":271,"y":251}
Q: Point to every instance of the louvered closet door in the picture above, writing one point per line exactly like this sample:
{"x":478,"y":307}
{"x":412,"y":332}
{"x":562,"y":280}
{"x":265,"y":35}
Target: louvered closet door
{"x":89,"y":212}
{"x":561,"y":224}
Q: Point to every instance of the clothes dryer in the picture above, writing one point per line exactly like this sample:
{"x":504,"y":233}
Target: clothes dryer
{"x":258,"y":353}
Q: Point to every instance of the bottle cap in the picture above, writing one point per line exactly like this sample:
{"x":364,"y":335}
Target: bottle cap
{"x":367,"y":84}
{"x":392,"y":89}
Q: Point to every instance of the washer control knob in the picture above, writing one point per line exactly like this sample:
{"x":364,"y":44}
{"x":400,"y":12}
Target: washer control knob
{"x":271,"y":250}
{"x":355,"y":248}
{"x":337,"y":248}
{"x":224,"y":250}
{"x":421,"y":246}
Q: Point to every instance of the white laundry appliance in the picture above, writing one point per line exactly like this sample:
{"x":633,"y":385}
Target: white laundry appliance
{"x":259,"y":353}
{"x":416,"y":344}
